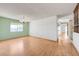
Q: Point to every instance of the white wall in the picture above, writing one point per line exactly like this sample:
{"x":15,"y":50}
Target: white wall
{"x":76,"y":40}
{"x":44,"y":28}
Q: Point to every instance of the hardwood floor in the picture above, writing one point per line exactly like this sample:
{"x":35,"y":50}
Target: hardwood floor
{"x":31,"y":46}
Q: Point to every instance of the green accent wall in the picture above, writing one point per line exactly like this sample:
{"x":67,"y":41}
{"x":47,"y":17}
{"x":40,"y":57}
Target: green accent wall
{"x":5,"y":29}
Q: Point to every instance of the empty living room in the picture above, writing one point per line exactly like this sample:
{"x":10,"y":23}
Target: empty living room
{"x":39,"y":29}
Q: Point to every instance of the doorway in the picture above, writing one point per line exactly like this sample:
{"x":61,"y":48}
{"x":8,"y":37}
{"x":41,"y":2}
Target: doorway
{"x":62,"y":30}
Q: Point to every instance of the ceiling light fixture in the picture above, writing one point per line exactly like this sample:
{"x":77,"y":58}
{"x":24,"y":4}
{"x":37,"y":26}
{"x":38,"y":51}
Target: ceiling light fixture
{"x":23,"y":19}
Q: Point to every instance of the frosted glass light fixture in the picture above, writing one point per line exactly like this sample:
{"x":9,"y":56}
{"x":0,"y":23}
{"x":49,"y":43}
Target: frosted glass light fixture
{"x":24,"y":19}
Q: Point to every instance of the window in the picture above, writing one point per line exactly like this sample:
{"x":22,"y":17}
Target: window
{"x":20,"y":28}
{"x":16,"y":27}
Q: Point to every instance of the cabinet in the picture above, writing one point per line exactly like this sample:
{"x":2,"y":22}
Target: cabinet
{"x":76,"y":19}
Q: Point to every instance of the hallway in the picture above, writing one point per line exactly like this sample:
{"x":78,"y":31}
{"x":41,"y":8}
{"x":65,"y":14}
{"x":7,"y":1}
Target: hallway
{"x":33,"y":46}
{"x":66,"y":46}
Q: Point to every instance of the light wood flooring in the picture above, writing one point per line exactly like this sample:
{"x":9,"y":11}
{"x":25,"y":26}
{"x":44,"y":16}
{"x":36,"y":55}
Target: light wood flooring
{"x":32,"y":46}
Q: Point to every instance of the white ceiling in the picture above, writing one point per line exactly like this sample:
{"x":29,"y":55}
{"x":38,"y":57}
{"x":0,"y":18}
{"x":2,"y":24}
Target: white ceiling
{"x":35,"y":10}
